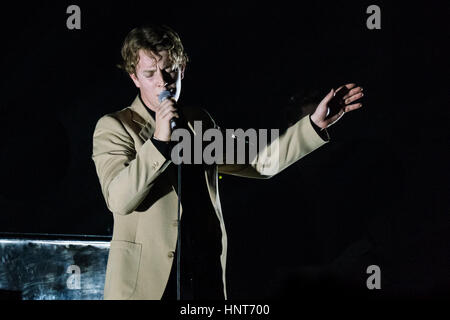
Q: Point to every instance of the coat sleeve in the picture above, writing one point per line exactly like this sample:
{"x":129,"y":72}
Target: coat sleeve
{"x":296,"y":142}
{"x":126,"y":176}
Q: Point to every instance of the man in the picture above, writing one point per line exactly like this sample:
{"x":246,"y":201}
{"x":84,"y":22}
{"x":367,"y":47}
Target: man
{"x":131,"y":151}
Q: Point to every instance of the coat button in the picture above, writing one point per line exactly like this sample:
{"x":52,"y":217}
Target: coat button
{"x":171,"y":254}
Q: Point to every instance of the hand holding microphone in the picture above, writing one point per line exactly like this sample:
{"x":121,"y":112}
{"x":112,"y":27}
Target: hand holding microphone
{"x":166,"y":116}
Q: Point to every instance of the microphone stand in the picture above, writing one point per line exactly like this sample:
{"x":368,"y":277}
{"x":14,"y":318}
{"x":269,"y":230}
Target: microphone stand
{"x":179,"y":235}
{"x":173,"y":125}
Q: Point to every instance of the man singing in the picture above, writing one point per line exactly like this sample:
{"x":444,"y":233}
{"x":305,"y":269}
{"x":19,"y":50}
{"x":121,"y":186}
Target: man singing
{"x":132,"y":154}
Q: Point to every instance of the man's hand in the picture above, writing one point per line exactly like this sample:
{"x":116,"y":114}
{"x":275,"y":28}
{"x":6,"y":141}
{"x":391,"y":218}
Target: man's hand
{"x":335,"y":104}
{"x":166,"y":111}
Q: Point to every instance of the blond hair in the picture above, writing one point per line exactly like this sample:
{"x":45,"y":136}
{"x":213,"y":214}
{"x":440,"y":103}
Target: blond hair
{"x":152,"y":39}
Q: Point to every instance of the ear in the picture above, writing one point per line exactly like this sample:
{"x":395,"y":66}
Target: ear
{"x":135,"y":79}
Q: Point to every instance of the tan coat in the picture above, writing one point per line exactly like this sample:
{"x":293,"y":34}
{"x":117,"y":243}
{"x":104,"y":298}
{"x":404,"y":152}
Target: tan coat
{"x":139,"y":188}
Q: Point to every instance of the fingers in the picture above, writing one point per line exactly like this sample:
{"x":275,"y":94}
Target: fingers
{"x":353,"y":98}
{"x":167,"y":110}
{"x":169,"y":115}
{"x":352,"y":107}
{"x":329,"y":96}
{"x":167,"y":102}
{"x":347,"y":87}
{"x":353,"y":92}
{"x":342,"y":101}
{"x":348,"y":108}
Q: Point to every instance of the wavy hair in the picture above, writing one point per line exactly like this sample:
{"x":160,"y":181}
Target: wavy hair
{"x":151,"y":38}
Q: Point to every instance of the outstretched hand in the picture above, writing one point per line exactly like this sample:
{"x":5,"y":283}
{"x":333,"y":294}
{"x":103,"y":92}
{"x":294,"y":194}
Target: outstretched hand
{"x":336,"y":103}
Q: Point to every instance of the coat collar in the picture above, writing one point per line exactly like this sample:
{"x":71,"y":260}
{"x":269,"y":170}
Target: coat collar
{"x":142,"y":117}
{"x":141,"y":114}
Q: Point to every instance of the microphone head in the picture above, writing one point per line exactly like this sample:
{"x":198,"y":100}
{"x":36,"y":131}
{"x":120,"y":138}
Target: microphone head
{"x":165,"y":94}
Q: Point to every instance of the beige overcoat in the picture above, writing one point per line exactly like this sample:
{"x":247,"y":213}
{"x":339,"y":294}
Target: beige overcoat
{"x":139,"y":187}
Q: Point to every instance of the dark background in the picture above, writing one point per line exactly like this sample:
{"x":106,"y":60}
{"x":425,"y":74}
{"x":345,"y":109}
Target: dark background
{"x":376,"y":194}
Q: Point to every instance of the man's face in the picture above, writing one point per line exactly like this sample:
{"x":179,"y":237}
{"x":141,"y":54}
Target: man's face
{"x":155,"y":73}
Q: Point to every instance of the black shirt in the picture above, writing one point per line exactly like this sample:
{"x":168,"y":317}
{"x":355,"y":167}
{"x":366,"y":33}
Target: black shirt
{"x":200,"y":235}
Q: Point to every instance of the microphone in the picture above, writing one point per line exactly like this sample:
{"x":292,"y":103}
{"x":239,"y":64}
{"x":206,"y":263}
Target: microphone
{"x":166,"y":94}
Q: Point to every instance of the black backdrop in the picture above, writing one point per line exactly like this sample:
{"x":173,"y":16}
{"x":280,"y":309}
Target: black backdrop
{"x":377,"y":194}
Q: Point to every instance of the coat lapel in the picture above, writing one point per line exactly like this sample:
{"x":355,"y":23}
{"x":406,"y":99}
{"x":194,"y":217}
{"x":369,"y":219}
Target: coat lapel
{"x":142,"y":117}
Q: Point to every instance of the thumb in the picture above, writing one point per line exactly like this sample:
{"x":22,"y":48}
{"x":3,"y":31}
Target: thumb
{"x":330,"y":95}
{"x":326,"y":100}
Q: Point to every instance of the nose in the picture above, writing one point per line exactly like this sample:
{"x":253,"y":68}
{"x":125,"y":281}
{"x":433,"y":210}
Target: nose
{"x":162,"y":78}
